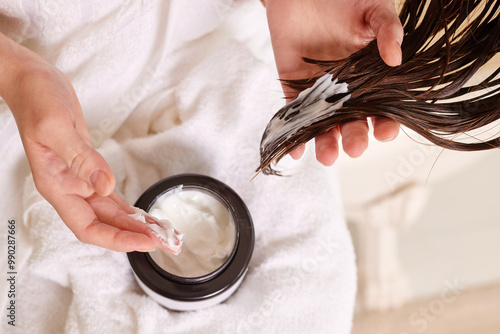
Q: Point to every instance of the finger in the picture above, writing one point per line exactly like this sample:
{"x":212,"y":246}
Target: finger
{"x":116,"y":231}
{"x":112,"y":213}
{"x":354,"y":137}
{"x":53,"y":181}
{"x":298,"y":152}
{"x":327,"y":147}
{"x":81,"y":158}
{"x":385,"y":129}
{"x":388,"y":30}
{"x":112,"y":238}
{"x":121,"y":202}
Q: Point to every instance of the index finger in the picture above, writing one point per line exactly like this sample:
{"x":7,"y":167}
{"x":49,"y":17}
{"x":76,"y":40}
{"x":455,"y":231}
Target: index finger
{"x":101,"y":222}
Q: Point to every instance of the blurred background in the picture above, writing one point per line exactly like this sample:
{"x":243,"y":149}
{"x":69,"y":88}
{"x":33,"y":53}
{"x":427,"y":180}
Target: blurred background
{"x":426,"y":228}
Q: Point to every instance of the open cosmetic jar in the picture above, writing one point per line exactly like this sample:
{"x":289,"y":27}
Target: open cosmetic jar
{"x":217,"y":245}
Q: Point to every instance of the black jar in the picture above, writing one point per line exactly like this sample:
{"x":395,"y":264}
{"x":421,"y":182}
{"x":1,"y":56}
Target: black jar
{"x":193,"y":293}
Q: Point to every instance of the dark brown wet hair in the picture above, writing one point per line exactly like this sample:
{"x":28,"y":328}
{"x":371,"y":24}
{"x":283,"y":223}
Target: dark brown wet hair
{"x":445,"y":43}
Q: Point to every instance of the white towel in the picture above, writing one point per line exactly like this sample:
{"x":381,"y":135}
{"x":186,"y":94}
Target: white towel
{"x":302,"y":275}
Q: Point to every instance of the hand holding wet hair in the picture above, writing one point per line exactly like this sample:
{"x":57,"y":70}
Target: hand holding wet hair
{"x":68,"y":172}
{"x":333,"y":29}
{"x":446,"y":43}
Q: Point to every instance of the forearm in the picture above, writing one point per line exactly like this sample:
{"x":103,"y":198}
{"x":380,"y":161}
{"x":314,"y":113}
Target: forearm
{"x":16,"y":62}
{"x":10,"y":52}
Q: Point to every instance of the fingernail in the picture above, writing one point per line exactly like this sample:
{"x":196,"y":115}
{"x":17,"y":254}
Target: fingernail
{"x":353,"y":148}
{"x":387,"y":139}
{"x":99,"y":181}
{"x":388,"y":132}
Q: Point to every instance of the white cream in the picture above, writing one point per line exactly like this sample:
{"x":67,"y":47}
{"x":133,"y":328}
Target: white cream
{"x":309,"y":107}
{"x":208,"y":227}
{"x":162,"y":229}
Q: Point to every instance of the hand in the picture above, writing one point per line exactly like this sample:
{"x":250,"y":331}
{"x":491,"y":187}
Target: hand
{"x":329,"y":30}
{"x":67,"y":171}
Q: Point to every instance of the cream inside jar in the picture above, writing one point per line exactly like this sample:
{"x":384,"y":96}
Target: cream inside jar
{"x":208,"y":227}
{"x":226,"y":246}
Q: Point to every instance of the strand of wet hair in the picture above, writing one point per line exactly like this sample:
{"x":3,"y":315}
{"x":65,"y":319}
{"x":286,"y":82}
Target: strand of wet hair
{"x":446,"y":43}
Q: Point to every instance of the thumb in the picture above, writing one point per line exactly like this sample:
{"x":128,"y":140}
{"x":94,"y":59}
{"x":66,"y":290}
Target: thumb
{"x":389,"y":33}
{"x":83,"y":160}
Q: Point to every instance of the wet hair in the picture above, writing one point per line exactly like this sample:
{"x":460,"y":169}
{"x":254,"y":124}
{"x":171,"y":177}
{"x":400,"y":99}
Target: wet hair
{"x":445,"y":43}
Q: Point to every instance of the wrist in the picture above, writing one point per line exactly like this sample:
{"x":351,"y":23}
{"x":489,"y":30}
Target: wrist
{"x":9,"y":51}
{"x":17,"y":63}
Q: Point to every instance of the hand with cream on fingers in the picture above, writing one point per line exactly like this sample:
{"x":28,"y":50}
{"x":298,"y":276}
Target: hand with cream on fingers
{"x":73,"y":177}
{"x":329,"y":30}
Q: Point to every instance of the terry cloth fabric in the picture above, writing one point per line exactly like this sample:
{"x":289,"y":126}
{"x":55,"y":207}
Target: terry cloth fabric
{"x":183,"y":101}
